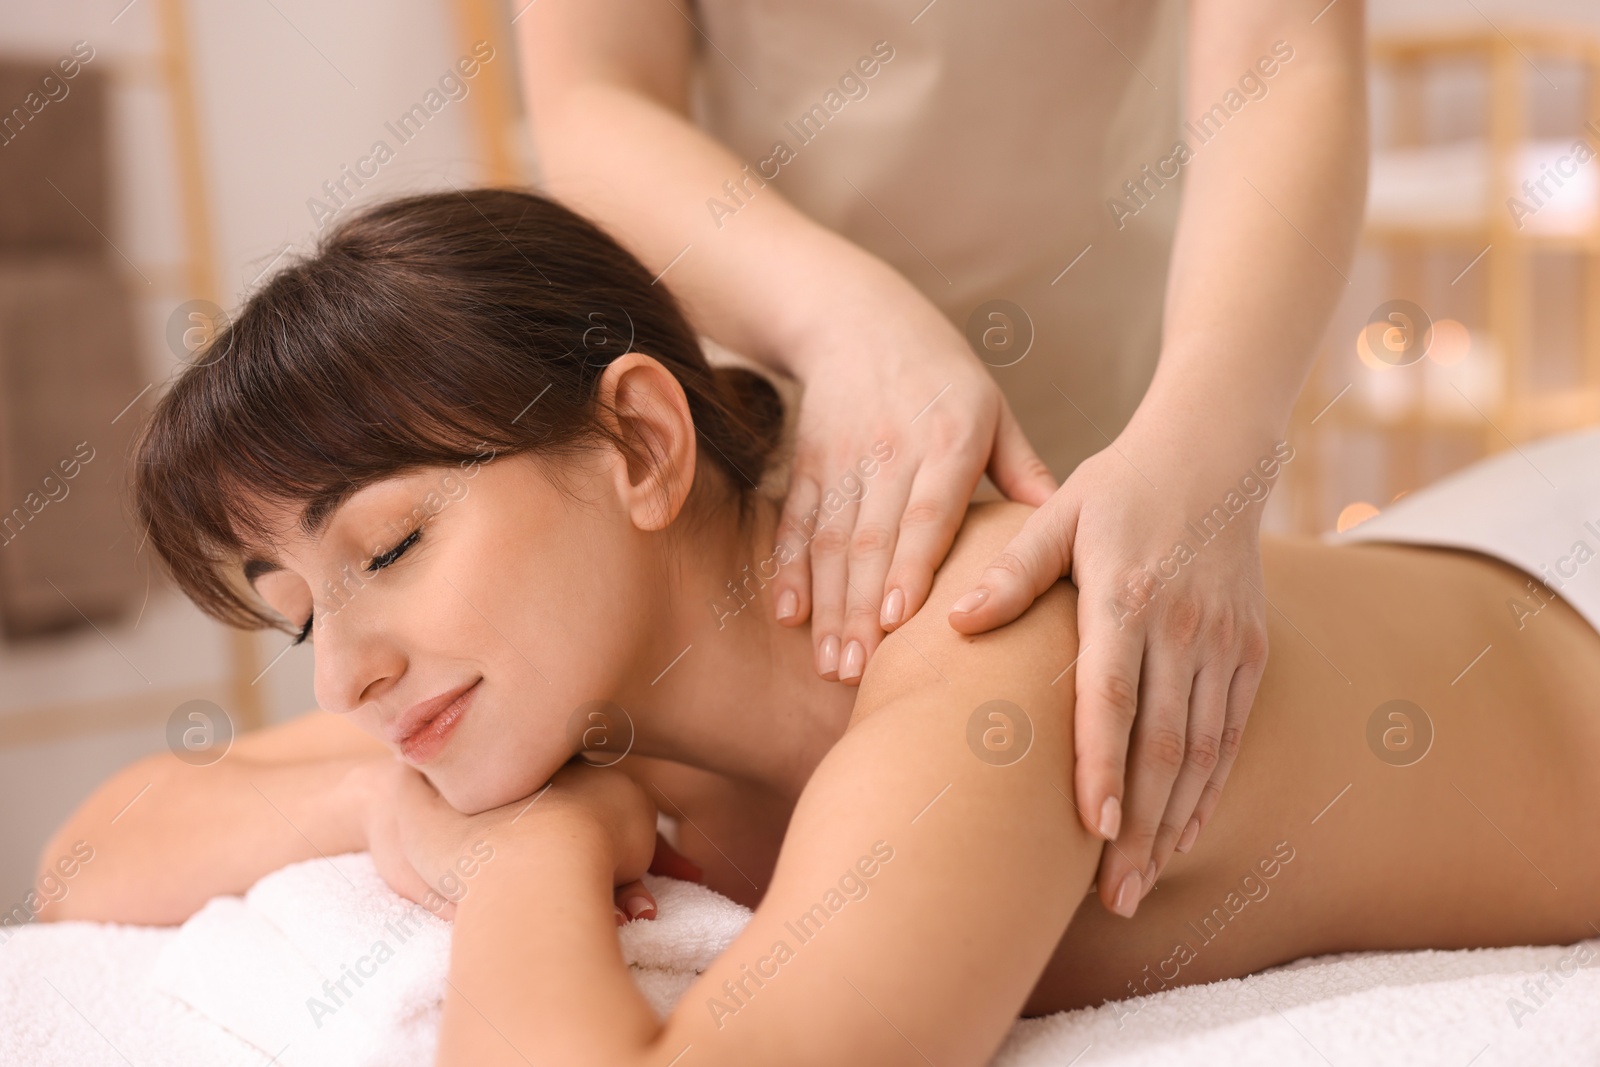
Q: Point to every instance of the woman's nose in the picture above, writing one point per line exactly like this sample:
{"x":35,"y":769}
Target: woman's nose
{"x":355,"y":661}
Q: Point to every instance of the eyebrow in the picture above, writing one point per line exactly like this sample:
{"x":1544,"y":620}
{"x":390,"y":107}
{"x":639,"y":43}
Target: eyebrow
{"x":255,"y":568}
{"x":316,"y":515}
{"x":320,"y":508}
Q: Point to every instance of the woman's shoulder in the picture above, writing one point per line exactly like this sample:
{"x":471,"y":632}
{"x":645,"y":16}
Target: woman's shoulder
{"x":925,"y":649}
{"x":988,"y":525}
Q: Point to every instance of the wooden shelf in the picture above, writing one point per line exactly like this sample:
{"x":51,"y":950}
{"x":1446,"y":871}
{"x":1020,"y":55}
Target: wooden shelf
{"x":1506,"y":277}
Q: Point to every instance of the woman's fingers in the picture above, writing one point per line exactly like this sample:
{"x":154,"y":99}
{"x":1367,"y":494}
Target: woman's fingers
{"x":388,"y":856}
{"x":672,"y":863}
{"x":401,"y":876}
{"x":634,"y":901}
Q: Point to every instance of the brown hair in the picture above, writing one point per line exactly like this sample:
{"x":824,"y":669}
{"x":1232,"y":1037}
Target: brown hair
{"x":429,"y":330}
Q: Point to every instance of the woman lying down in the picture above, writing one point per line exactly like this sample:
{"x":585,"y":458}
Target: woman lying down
{"x":477,"y":456}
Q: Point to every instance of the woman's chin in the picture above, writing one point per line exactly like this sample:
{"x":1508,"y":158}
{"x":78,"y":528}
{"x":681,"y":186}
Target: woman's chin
{"x":471,"y":794}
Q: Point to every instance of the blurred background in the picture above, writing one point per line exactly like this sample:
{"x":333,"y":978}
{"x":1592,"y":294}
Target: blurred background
{"x":159,"y":157}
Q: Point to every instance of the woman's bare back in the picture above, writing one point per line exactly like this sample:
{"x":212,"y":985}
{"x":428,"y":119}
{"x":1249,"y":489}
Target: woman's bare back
{"x":1333,"y":833}
{"x":1349,"y":822}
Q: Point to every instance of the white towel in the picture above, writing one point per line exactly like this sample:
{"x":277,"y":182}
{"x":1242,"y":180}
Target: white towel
{"x":230,"y":988}
{"x":319,"y":963}
{"x":343,"y":971}
{"x":1481,"y":1007}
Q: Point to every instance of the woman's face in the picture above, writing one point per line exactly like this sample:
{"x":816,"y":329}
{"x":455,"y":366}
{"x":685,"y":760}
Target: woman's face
{"x":463,"y":615}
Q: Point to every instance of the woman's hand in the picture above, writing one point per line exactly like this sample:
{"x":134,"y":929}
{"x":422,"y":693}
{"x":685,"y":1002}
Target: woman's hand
{"x":433,"y":846}
{"x":898,"y":422}
{"x":1164,"y":547}
{"x":377,"y":783}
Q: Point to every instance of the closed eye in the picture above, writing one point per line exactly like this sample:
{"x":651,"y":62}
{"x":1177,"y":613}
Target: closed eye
{"x":384,"y":559}
{"x":376,"y":564}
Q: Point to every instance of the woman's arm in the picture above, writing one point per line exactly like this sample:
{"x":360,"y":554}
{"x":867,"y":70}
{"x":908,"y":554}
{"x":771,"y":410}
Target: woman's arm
{"x":930,"y":868}
{"x":607,"y":83}
{"x":168,"y":836}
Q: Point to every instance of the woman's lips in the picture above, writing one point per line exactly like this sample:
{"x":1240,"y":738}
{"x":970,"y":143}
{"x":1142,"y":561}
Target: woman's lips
{"x":429,"y":739}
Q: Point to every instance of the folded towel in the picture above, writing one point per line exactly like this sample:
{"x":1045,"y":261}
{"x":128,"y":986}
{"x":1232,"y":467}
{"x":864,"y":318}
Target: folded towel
{"x":78,"y":994}
{"x":69,"y":375}
{"x":344,"y":971}
{"x":231,"y":988}
{"x":55,"y":161}
{"x":319,"y":963}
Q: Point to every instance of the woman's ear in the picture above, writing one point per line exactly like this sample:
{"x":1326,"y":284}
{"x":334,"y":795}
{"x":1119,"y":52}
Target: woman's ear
{"x":649,"y":412}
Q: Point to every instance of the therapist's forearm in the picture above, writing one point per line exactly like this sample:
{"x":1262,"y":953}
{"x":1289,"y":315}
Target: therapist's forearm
{"x":764,"y":283}
{"x":1271,"y":213}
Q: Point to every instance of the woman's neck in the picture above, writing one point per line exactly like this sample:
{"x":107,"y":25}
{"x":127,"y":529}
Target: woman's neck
{"x":726,"y":687}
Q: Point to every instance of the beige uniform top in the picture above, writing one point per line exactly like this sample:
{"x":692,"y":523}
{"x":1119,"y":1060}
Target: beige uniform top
{"x":974,"y":146}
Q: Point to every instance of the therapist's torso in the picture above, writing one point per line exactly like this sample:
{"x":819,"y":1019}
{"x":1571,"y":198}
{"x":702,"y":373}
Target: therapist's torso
{"x":978,"y":159}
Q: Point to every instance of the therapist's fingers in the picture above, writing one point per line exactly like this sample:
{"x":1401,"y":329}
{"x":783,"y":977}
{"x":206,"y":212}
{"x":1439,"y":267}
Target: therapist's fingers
{"x":830,"y":571}
{"x":1208,"y":704}
{"x":1241,"y":697}
{"x":1107,"y":686}
{"x":1014,"y":467}
{"x":872,"y":546}
{"x":1155,"y":755}
{"x":1032,"y":561}
{"x":791,"y":593}
{"x":928,"y":526}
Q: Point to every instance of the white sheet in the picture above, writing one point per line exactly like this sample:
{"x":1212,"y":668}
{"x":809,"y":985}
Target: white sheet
{"x":1535,"y":506}
{"x":83,"y":994}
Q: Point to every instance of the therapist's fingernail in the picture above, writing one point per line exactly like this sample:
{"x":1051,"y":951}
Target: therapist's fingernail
{"x":970,"y":601}
{"x":855,"y":658}
{"x":1127,"y":895}
{"x":828,"y":655}
{"x":788,"y":604}
{"x":637,"y":906}
{"x":1110,"y":818}
{"x":1190,"y":832}
{"x":893,"y":606}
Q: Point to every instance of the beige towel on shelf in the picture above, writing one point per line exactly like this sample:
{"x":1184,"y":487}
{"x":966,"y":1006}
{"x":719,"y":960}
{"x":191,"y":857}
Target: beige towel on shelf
{"x":68,"y":369}
{"x":53,"y":161}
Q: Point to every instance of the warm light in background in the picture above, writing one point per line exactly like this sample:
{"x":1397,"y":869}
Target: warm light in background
{"x":1448,"y":341}
{"x":1354,"y":515}
{"x":1379,"y":332}
{"x":1451,"y":343}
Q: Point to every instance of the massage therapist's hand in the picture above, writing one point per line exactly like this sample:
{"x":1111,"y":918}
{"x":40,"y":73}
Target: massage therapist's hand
{"x":448,"y":847}
{"x":891,"y":368}
{"x":1172,"y":644}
